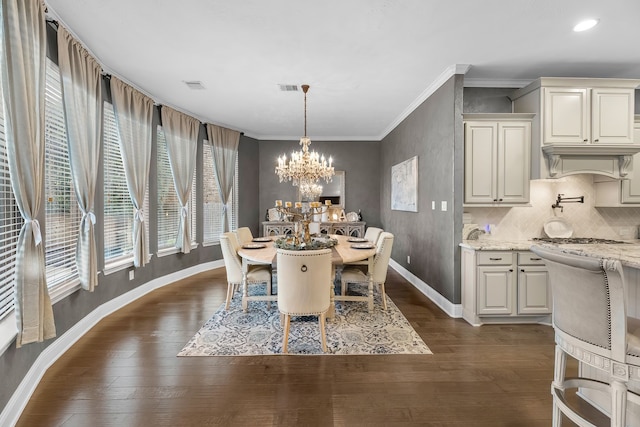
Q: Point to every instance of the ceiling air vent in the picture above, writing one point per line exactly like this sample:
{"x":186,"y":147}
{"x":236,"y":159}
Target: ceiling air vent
{"x":288,"y":88}
{"x":195,"y":85}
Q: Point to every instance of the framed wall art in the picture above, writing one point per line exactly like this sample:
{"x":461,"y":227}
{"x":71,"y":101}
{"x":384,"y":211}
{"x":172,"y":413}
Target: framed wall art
{"x":404,"y":185}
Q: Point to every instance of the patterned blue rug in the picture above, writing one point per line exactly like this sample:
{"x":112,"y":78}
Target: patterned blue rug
{"x":353,"y":331}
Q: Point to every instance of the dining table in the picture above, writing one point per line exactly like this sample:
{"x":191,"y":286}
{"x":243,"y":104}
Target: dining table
{"x":348,"y":250}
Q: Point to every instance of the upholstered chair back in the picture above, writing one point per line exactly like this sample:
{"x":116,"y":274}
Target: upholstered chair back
{"x":381,"y":259}
{"x":304,"y":280}
{"x":589,"y":301}
{"x":244,"y":235}
{"x":372,"y":234}
{"x":314,"y":227}
{"x":232,"y":261}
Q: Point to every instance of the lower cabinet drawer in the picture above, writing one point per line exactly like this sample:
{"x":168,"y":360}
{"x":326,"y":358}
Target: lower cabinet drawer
{"x":495,"y":258}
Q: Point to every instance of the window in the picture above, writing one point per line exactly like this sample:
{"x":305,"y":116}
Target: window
{"x":168,"y":204}
{"x":10,"y":224}
{"x":61,"y":208}
{"x":118,"y":208}
{"x":212,"y":204}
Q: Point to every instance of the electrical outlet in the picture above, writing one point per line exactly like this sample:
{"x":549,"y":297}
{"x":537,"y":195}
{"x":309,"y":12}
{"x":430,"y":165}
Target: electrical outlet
{"x":443,"y":205}
{"x":131,"y":274}
{"x":408,"y":259}
{"x":433,"y":205}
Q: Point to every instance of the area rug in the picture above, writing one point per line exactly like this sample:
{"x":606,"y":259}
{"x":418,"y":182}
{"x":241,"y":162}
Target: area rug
{"x":353,"y":331}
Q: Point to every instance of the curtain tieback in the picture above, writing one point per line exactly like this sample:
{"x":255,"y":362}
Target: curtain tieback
{"x":184,"y":211}
{"x":92,"y":218}
{"x":224,"y":208}
{"x":35,"y":228}
{"x":139,"y":215}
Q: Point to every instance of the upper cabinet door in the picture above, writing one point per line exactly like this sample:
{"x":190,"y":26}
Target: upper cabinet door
{"x":612,"y":116}
{"x":514,"y":161}
{"x":480,"y":140}
{"x":566,"y":115}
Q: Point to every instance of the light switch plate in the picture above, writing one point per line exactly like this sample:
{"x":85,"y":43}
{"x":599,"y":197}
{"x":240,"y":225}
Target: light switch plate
{"x":433,"y":205}
{"x":131,"y":274}
{"x":443,"y":205}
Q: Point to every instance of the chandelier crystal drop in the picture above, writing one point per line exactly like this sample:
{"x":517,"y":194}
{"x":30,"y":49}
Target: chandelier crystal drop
{"x":305,"y":167}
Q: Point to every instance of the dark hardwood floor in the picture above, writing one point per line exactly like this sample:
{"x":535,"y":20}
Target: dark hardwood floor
{"x":125,"y":372}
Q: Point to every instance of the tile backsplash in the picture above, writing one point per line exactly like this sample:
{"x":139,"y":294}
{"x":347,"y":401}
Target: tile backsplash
{"x":521,"y":223}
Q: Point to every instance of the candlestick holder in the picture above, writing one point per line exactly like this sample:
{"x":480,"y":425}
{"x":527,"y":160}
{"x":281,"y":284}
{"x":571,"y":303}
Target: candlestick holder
{"x":302,"y":217}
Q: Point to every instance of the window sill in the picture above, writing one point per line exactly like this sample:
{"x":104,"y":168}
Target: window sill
{"x":206,"y":244}
{"x":8,"y":331}
{"x":118,"y":265}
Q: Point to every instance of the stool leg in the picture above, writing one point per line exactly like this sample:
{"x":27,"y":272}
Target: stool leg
{"x":618,"y":404}
{"x":285,"y":342}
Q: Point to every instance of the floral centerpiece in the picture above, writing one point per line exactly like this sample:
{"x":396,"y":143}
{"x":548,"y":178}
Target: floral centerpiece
{"x":293,"y":243}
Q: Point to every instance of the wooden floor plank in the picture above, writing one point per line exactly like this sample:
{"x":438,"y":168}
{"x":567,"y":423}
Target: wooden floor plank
{"x":125,"y":372}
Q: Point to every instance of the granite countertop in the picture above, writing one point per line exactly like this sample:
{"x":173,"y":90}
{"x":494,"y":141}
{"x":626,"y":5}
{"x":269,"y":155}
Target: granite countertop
{"x":628,"y":253}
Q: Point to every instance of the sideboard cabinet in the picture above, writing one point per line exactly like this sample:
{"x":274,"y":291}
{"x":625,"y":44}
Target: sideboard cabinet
{"x":344,"y":228}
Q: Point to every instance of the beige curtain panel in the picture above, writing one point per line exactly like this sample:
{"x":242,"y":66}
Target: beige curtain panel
{"x":225,"y":150}
{"x":23,"y":84}
{"x":82,"y":92}
{"x":181,"y":133}
{"x":134,"y":115}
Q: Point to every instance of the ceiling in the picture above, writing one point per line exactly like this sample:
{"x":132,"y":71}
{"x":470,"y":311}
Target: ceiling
{"x":369,"y":62}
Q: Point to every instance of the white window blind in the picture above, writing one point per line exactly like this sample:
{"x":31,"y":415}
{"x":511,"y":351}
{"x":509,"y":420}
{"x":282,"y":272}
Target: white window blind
{"x":10,"y":224}
{"x":168,"y":205}
{"x":212,"y":204}
{"x":61,"y":208}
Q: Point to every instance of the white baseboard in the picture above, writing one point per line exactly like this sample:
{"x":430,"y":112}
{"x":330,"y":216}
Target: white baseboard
{"x":11,"y":413}
{"x":453,"y":310}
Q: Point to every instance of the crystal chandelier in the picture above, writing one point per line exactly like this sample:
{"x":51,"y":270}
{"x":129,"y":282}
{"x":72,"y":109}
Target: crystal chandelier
{"x":310,"y":190}
{"x":305,"y":167}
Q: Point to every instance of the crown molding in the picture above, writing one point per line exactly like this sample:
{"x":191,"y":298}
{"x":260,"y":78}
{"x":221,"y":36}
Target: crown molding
{"x":437,"y":83}
{"x":503,"y":83}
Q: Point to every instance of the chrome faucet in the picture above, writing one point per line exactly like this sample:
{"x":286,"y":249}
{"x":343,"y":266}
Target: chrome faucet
{"x":561,"y":199}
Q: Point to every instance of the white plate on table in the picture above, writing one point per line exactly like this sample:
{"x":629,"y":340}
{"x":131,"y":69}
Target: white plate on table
{"x":254,"y":246}
{"x":261,"y":239}
{"x":357,"y":240}
{"x":558,"y":227}
{"x":363,"y":246}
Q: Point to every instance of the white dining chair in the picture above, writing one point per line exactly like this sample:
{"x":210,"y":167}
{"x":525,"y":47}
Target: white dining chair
{"x":244,"y":235}
{"x":257,"y":274}
{"x":372,"y":234}
{"x":355,"y":274}
{"x":304,"y":285}
{"x":591,"y":325}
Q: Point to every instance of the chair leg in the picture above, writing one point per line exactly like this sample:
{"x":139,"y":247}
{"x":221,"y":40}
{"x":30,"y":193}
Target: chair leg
{"x":322,"y":331}
{"x":343,"y":289}
{"x":230,"y":289}
{"x":269,"y":294}
{"x":384,"y":296}
{"x":285,"y":342}
{"x":559,"y":369}
{"x":618,"y":404}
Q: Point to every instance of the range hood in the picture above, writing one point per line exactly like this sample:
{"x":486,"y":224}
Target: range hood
{"x":614,"y":161}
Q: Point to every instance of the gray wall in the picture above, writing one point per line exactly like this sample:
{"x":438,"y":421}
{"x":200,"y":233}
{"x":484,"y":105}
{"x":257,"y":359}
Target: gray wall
{"x":359,"y":160}
{"x":487,"y":100}
{"x":433,"y":132}
{"x":248,"y":183}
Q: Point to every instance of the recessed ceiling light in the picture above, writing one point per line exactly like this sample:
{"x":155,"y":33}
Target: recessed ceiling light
{"x":585,"y":25}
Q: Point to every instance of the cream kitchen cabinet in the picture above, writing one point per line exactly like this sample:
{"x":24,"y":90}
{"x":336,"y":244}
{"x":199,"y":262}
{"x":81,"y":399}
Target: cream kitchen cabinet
{"x":621,"y":193}
{"x":496,"y":155}
{"x":581,"y":125}
{"x":504,"y":287}
{"x":587,"y":115}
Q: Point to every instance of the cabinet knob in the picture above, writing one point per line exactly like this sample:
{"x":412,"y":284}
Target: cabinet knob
{"x":495,"y":200}
{"x":511,"y":270}
{"x":499,"y":200}
{"x":522,"y":270}
{"x":596,"y":140}
{"x":495,"y":259}
{"x":536,"y":259}
{"x":585,"y":140}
